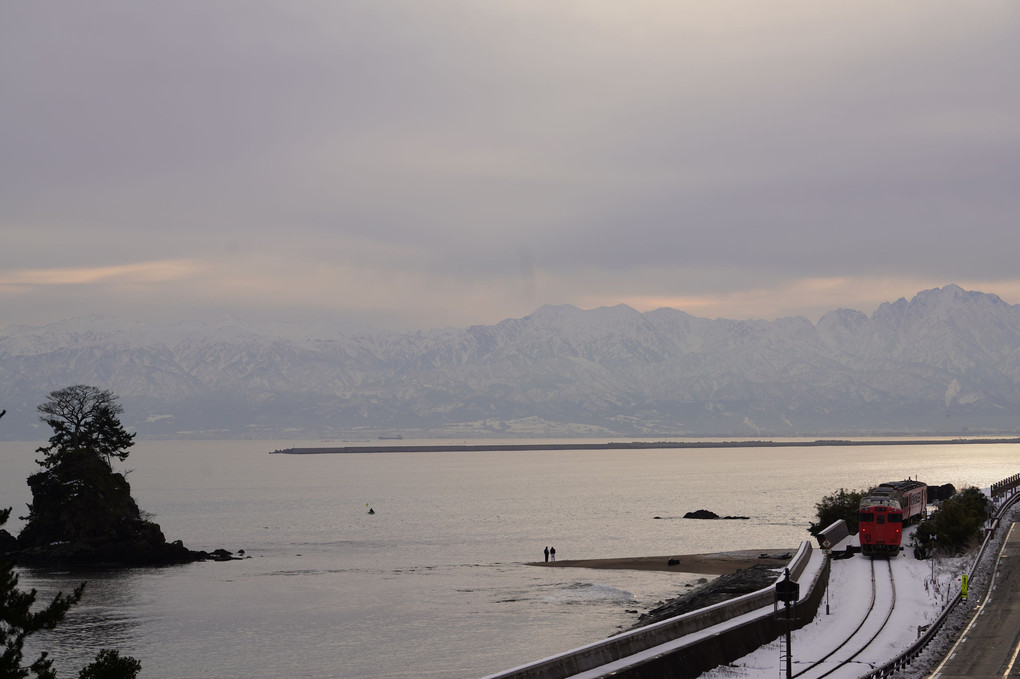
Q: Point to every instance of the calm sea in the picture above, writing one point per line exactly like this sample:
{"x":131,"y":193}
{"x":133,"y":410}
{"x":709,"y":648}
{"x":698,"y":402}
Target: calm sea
{"x":434,"y":584}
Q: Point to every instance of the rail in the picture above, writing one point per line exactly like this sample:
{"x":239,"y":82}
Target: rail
{"x":1006,"y":486}
{"x":631,"y":643}
{"x":850,"y":638}
{"x":903,"y":660}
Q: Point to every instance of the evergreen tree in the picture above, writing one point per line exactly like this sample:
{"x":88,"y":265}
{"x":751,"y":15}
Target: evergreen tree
{"x":84,"y":422}
{"x":18,"y":621}
{"x":82,"y":510}
{"x":109,"y":665}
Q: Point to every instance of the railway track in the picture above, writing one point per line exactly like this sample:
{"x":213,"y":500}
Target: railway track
{"x":840,"y":661}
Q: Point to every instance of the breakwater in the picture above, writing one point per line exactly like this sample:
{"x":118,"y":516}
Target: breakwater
{"x":632,"y":445}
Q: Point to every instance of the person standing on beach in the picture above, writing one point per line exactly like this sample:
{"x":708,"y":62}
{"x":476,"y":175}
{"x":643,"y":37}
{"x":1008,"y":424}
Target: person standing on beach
{"x":547,"y":555}
{"x":552,"y":553}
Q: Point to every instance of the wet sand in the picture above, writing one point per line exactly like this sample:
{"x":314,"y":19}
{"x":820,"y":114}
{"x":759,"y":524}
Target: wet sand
{"x":719,"y":563}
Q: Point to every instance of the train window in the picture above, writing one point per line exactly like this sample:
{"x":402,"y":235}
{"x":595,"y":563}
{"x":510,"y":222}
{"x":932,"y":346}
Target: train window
{"x":898,"y":518}
{"x":880,"y":518}
{"x":867,"y":518}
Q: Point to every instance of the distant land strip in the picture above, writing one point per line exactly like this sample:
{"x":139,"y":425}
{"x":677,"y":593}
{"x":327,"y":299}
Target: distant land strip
{"x":633,"y":445}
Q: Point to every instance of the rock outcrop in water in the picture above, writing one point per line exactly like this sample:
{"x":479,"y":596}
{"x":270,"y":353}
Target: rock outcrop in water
{"x":705,"y":514}
{"x":8,"y":543}
{"x":82,"y":513}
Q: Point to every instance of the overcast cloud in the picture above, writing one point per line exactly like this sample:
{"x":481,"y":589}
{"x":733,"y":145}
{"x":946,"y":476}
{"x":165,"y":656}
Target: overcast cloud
{"x":428,"y":163}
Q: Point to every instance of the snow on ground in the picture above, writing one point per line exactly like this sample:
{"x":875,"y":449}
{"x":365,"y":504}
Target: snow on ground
{"x":923,"y":588}
{"x":961,"y":615}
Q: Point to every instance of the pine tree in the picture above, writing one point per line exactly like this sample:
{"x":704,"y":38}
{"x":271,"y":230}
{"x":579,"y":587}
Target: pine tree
{"x":110,"y":665}
{"x":85,"y":423}
{"x":82,"y":510}
{"x":18,"y":621}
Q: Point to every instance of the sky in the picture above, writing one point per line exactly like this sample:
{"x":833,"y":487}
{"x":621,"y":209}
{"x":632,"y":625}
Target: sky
{"x":431,"y":163}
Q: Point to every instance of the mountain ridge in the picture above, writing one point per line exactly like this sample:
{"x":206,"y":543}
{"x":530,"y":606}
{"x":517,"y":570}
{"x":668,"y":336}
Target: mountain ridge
{"x":948,"y":360}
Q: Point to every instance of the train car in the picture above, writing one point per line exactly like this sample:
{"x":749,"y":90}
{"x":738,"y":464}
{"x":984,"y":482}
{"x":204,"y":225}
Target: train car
{"x":883,"y":513}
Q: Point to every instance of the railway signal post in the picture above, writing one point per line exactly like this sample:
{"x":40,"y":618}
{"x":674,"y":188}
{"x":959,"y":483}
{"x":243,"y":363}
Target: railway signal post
{"x":788,"y":591}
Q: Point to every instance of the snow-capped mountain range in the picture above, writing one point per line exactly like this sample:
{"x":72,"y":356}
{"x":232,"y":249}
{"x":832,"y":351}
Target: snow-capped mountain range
{"x":947,"y":361}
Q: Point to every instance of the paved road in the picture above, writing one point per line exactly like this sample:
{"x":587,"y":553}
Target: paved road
{"x":989,"y":646}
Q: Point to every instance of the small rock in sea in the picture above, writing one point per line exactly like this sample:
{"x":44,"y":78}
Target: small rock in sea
{"x":705,"y":514}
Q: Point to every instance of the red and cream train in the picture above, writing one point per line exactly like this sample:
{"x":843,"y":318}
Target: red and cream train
{"x":884,"y":511}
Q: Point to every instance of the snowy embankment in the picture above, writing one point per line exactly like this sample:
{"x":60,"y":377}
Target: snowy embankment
{"x":923,"y":589}
{"x":961,"y":615}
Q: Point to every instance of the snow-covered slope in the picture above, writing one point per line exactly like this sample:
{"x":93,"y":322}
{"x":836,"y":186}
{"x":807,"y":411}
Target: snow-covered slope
{"x":946,"y":360}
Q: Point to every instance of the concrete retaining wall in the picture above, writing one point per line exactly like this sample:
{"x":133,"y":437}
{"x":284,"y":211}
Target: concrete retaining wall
{"x":686,"y":661}
{"x":835,"y":533}
{"x":592,"y":656}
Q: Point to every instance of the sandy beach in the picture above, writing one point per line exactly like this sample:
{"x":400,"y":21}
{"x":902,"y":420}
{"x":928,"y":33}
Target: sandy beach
{"x":719,"y":563}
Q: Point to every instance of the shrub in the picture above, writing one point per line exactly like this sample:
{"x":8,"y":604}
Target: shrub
{"x":956,"y":526}
{"x":843,"y":504}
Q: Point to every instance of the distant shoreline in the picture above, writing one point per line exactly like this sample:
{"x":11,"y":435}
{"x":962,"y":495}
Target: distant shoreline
{"x":633,"y":445}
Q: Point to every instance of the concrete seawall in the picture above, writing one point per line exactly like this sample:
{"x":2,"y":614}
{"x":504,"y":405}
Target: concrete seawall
{"x":687,"y":645}
{"x":622,"y":445}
